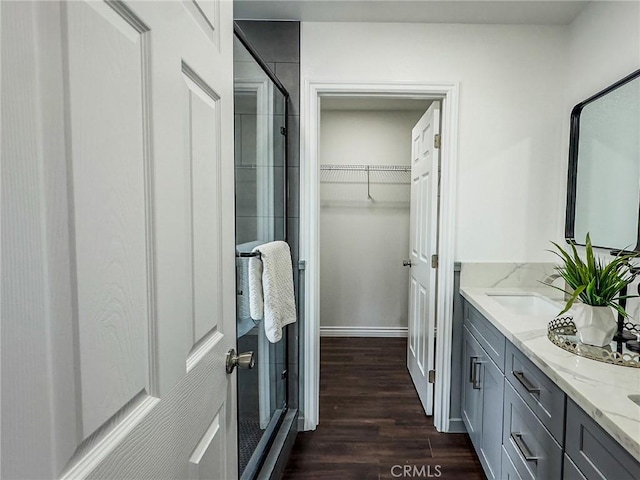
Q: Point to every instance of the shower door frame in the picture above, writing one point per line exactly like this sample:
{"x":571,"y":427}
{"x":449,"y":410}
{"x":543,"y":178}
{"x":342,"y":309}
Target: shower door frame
{"x":265,"y":210}
{"x":253,"y":468}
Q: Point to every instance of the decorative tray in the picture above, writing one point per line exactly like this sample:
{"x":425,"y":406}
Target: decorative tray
{"x":562,"y":332}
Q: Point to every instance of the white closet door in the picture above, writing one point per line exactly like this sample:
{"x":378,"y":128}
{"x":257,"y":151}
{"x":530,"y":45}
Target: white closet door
{"x":118,"y":303}
{"x":423,"y":245}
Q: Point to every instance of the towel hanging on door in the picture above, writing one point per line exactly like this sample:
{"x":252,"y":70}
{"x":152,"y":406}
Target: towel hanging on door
{"x":271,"y":288}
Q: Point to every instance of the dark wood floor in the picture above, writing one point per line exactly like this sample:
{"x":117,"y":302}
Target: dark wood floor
{"x":371,"y":420}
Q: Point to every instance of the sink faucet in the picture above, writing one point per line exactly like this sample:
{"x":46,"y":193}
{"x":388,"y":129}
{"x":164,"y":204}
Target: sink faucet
{"x":549,"y":279}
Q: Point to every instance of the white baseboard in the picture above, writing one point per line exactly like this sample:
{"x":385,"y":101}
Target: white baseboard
{"x":363,"y":331}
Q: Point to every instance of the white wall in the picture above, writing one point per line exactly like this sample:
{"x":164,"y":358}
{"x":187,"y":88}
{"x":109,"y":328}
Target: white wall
{"x":363,"y":242}
{"x":604,"y":46}
{"x":510,"y":178}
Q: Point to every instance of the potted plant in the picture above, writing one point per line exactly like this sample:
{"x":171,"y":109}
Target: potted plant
{"x":598,"y":285}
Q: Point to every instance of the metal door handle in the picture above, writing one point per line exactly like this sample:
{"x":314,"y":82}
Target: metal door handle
{"x":472,"y":370}
{"x":522,"y":447}
{"x":406,"y":263}
{"x":524,"y":381}
{"x":476,"y":380}
{"x":244,"y":360}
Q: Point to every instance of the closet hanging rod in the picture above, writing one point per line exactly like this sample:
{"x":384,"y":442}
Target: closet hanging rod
{"x":364,"y":168}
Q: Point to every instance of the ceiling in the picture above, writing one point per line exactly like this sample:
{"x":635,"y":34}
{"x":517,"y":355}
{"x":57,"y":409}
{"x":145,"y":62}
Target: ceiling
{"x":412,"y":11}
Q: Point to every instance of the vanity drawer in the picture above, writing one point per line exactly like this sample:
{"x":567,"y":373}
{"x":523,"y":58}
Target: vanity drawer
{"x":571,"y":472}
{"x":487,"y":335}
{"x":532,"y":449}
{"x":509,"y":471}
{"x":596,"y":454}
{"x":538,"y":391}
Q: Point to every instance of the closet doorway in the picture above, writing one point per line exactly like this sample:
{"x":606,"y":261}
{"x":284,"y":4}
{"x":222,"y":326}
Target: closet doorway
{"x":377,"y":221}
{"x":357,"y":191}
{"x":365,"y":184}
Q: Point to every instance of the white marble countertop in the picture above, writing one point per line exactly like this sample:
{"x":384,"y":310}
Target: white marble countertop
{"x":600,"y":389}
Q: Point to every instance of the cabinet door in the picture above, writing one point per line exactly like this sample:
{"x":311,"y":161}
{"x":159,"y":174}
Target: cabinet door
{"x":471,"y":397}
{"x":596,"y":453}
{"x":491,"y":382}
{"x":571,"y":472}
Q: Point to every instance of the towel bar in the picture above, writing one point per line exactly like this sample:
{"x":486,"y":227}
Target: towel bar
{"x":248,"y":254}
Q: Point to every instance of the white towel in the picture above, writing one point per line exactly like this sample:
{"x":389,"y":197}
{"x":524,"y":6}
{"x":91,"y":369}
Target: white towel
{"x":271,"y":288}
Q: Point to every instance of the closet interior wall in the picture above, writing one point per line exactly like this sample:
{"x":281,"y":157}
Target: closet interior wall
{"x":364,"y":225}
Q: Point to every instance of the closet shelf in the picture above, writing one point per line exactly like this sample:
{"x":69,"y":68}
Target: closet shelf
{"x":365,"y":168}
{"x":369,"y":174}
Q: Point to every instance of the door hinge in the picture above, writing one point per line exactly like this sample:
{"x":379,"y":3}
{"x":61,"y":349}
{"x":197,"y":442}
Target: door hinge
{"x":437,"y":140}
{"x":432,"y":376}
{"x":434,"y":261}
{"x":283,"y":131}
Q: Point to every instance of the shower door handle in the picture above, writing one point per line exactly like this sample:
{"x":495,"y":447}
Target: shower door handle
{"x":243,"y":360}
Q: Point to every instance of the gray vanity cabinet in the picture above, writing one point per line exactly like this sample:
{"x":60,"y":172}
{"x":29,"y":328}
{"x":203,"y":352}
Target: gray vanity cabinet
{"x":482,"y":396}
{"x":521,"y":423}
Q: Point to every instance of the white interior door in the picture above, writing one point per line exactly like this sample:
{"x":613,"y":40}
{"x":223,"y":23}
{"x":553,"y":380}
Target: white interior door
{"x":423,"y":246}
{"x":118,"y":301}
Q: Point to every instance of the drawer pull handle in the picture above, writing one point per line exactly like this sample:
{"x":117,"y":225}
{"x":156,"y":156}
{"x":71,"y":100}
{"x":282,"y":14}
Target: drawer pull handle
{"x":476,"y":376}
{"x":472,"y":370}
{"x":522,"y":447}
{"x":525,"y":382}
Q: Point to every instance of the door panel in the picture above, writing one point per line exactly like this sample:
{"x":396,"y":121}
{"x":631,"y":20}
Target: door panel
{"x":423,"y":244}
{"x":109,"y":210}
{"x":119,"y":166}
{"x":420,"y":333}
{"x":413,"y":305}
{"x":203,"y":120}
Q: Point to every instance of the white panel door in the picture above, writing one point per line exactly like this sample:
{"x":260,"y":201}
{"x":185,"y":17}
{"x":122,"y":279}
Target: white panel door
{"x":423,"y":245}
{"x":118,"y":256}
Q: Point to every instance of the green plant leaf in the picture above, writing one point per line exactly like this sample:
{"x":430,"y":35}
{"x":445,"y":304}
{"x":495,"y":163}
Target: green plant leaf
{"x":572,"y":299}
{"x":595,"y":281}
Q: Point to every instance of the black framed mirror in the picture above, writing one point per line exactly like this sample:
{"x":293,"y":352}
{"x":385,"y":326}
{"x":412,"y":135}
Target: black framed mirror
{"x":603,"y":187}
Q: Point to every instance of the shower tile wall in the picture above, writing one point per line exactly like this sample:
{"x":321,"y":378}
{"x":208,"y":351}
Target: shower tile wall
{"x":245,"y":153}
{"x":278,"y":43}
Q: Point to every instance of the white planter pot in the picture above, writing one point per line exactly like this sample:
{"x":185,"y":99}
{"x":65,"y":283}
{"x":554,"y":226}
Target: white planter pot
{"x":596,"y":325}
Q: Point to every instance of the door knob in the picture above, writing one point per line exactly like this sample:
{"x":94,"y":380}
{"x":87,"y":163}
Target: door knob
{"x":406,"y":263}
{"x":243,"y":360}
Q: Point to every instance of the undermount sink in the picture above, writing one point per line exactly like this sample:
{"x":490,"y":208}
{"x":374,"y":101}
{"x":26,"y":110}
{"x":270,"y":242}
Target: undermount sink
{"x":527,"y":304}
{"x":635,"y":399}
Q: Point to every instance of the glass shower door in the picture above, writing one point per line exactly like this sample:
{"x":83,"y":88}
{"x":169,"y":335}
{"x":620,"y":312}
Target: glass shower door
{"x":260,"y":167}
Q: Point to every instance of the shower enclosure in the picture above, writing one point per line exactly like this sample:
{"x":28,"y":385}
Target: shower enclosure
{"x":260,"y":186}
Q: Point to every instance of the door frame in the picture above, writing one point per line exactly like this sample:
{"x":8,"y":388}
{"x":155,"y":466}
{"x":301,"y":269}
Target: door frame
{"x":313,"y":91}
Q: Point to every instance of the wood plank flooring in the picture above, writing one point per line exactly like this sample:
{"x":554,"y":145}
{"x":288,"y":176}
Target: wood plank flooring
{"x":372,"y":425}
